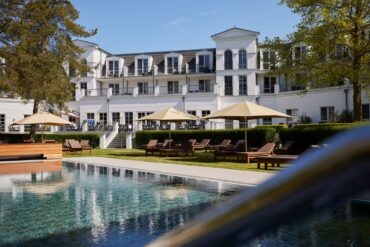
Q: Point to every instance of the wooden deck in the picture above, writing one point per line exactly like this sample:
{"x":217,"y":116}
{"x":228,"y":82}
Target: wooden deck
{"x":48,"y":150}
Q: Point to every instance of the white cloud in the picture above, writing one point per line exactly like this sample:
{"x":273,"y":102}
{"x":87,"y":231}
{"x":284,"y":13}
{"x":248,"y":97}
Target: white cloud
{"x":211,"y":12}
{"x":177,"y":21}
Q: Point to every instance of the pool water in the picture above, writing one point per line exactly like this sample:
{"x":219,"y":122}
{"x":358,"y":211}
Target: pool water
{"x":88,"y":205}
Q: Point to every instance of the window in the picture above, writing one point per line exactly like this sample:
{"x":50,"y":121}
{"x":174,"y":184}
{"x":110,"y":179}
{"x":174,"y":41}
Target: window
{"x":292,"y":112}
{"x":228,"y":85}
{"x":228,"y":59}
{"x":242,"y":59}
{"x":116,"y":117}
{"x":72,"y":119}
{"x":267,"y":121}
{"x":204,"y":63}
{"x":172,"y":65}
{"x":147,"y":122}
{"x":2,"y":122}
{"x":229,"y":124}
{"x":27,"y":127}
{"x":269,"y":84}
{"x":204,"y":86}
{"x":103,"y":118}
{"x":84,"y":62}
{"x":268,"y":60}
{"x":113,"y":69}
{"x":128,"y":118}
{"x":90,"y":119}
{"x":242,"y":85}
{"x":205,"y":112}
{"x":300,"y":53}
{"x":143,"y":87}
{"x":83,"y":88}
{"x":142,"y":66}
{"x":194,"y":113}
{"x":115,"y":88}
{"x":327,"y":113}
{"x":172,"y":87}
{"x":366,"y":111}
{"x":72,"y":71}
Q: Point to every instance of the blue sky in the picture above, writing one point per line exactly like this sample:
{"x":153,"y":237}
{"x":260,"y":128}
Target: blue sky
{"x":147,"y":25}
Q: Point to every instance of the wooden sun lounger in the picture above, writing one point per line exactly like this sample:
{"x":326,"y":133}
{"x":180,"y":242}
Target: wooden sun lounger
{"x":158,"y":147}
{"x":265,"y":150}
{"x":229,"y":150}
{"x":275,"y":159}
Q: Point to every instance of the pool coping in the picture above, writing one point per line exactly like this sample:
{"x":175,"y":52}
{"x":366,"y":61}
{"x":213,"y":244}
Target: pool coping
{"x":246,"y":178}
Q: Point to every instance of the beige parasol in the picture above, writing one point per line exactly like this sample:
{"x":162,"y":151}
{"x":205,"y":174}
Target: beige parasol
{"x":245,"y":111}
{"x":170,"y":115}
{"x":43,"y":118}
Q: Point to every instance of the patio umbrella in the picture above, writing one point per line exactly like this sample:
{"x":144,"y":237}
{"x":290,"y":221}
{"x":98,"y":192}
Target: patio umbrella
{"x":245,"y":111}
{"x":170,"y":115}
{"x":43,"y":118}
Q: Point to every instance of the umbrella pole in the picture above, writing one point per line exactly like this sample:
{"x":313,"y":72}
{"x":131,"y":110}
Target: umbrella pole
{"x":245,"y":134}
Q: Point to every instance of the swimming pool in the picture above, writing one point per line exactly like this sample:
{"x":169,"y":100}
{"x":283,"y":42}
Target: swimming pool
{"x":89,"y":205}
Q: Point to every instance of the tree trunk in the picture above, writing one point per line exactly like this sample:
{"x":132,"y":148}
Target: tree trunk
{"x":357,"y":102}
{"x":34,"y":126}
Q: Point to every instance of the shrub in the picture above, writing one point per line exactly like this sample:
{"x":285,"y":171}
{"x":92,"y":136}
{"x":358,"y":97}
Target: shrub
{"x":256,"y":136}
{"x":18,"y":138}
{"x":304,"y":119}
{"x":277,"y":127}
{"x":345,"y":117}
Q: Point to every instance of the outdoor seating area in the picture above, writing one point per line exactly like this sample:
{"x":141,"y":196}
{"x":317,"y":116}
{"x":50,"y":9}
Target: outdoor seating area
{"x":74,"y":146}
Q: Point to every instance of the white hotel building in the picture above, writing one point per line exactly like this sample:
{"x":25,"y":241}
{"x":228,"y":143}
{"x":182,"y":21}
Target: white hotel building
{"x":124,"y":87}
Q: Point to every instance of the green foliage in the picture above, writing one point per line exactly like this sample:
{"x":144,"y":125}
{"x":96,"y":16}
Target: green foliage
{"x":345,"y":117}
{"x":36,"y":43}
{"x":256,"y":136}
{"x":334,"y":33}
{"x":18,"y":138}
{"x":277,"y":127}
{"x":304,"y":119}
{"x":305,"y":135}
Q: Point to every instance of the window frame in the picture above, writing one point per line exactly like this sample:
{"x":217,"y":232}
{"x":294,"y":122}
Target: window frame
{"x":228,"y":60}
{"x":243,"y":62}
{"x":243,"y":85}
{"x":228,"y":89}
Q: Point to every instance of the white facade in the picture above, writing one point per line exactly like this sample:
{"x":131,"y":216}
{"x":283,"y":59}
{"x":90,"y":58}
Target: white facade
{"x":123,"y":87}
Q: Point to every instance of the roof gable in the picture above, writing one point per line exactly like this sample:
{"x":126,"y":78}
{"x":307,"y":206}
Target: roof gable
{"x":235,"y":33}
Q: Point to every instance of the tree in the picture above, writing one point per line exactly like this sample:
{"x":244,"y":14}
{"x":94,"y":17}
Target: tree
{"x":336,"y":34}
{"x":36,"y":44}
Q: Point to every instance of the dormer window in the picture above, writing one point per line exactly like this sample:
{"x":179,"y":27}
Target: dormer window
{"x":113,"y":68}
{"x":172,"y":65}
{"x":228,"y":59}
{"x":204,"y":63}
{"x":142,"y":66}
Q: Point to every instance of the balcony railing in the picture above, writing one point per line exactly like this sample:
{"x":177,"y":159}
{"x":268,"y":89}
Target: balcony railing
{"x":169,"y":90}
{"x":200,"y":89}
{"x":97,"y":92}
{"x":145,"y":90}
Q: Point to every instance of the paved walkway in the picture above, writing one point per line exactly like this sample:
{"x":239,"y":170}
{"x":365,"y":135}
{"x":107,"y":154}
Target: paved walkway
{"x":250,"y":178}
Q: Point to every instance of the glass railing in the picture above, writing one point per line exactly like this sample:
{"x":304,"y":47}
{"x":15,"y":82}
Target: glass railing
{"x":164,"y":90}
{"x":145,"y":90}
{"x":97,"y":92}
{"x":200,"y":89}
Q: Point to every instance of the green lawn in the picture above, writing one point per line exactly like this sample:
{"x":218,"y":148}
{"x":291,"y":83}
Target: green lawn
{"x":200,"y":159}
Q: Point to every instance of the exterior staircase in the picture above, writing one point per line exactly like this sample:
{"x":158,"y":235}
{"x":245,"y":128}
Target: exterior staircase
{"x":119,"y":141}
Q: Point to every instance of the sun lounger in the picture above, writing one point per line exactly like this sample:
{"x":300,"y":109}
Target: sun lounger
{"x":202,"y":145}
{"x":158,"y":147}
{"x":285,"y":148}
{"x":221,"y":146}
{"x":185,"y":148}
{"x":151,"y":143}
{"x":230,"y":150}
{"x":265,"y":150}
{"x":75,"y":146}
{"x":86,"y":145}
{"x":280,"y":158}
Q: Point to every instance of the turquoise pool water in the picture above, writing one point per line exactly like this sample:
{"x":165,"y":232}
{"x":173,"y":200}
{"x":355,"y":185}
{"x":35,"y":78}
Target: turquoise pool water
{"x":86,"y":205}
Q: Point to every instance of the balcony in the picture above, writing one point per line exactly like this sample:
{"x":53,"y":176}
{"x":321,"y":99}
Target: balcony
{"x":200,"y":88}
{"x":103,"y":92}
{"x":146,"y":90}
{"x":174,"y":90}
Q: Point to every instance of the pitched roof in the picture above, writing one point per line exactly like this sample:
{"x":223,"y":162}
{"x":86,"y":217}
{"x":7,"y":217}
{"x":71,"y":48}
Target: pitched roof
{"x":235,"y":28}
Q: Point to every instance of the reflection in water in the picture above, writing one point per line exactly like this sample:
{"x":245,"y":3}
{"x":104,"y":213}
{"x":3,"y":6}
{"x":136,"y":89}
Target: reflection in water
{"x":95,"y":205}
{"x":104,"y":206}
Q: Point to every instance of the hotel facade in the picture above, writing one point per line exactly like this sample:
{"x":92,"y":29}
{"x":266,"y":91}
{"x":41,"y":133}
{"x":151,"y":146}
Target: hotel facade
{"x":125,"y":87}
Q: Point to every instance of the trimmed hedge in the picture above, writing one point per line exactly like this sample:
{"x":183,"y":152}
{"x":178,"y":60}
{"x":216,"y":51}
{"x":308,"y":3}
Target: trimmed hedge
{"x":256,"y":136}
{"x":18,"y":138}
{"x":304,"y":137}
{"x":277,"y":127}
{"x":332,"y":125}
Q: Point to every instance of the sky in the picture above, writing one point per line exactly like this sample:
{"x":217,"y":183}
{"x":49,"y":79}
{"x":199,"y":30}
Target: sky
{"x":126,"y":26}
